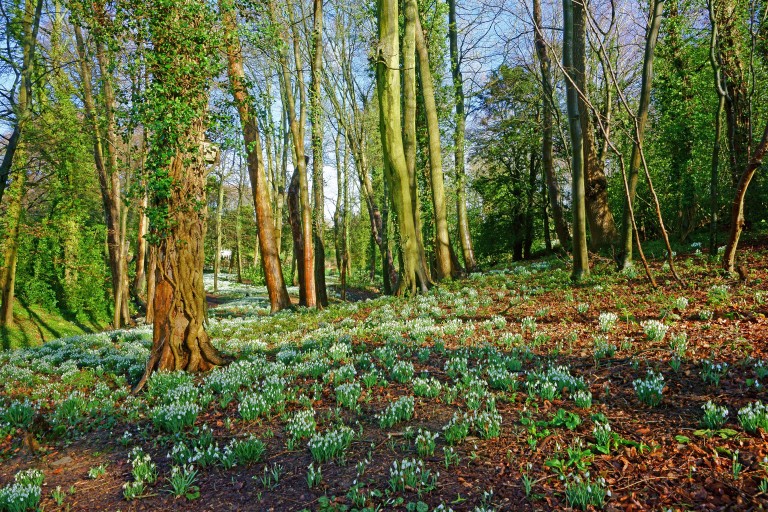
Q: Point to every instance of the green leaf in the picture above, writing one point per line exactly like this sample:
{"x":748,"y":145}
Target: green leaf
{"x":683,"y":439}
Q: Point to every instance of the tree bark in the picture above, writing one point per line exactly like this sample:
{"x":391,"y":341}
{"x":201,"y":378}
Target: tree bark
{"x":268,"y":241}
{"x":573,"y":21}
{"x":13,"y":214}
{"x":722,"y":93}
{"x":179,"y":339}
{"x":458,"y":141}
{"x":553,"y":188}
{"x":602,"y":228}
{"x":307,"y":277}
{"x":219,"y":211}
{"x":294,"y":218}
{"x":444,"y":268}
{"x":177,"y":180}
{"x":737,"y":209}
{"x":413,"y":277}
{"x":316,"y":118}
{"x":657,"y":12}
{"x":409,"y":119}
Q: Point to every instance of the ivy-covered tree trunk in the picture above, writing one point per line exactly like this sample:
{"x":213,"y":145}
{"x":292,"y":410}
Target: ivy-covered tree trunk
{"x":179,"y":340}
{"x":179,"y":61}
{"x":13,"y":217}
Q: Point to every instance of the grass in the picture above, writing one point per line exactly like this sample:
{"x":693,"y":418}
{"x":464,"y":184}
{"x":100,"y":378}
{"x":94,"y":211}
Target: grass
{"x":34,"y":326}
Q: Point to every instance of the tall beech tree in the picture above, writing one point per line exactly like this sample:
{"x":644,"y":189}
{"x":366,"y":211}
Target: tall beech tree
{"x":316,"y":119}
{"x":183,"y":41}
{"x":414,"y":275}
{"x":574,"y":26}
{"x":268,"y":241}
{"x":97,"y":106}
{"x":547,"y":106}
{"x":444,"y":267}
{"x":459,"y":141}
{"x":635,"y":162}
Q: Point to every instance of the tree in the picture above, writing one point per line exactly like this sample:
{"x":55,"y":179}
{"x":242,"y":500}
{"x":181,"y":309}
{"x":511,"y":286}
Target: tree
{"x":505,"y":151}
{"x":13,"y":165}
{"x":547,"y":103}
{"x":657,"y":12}
{"x":182,"y":41}
{"x":414,"y":276}
{"x":410,"y":14}
{"x":573,"y":24}
{"x":316,"y":119}
{"x":737,"y":208}
{"x":458,"y":141}
{"x":268,"y":241}
{"x":297,"y":126}
{"x":105,"y":148}
{"x":444,"y":267}
{"x":351,"y":101}
{"x":602,"y":228}
{"x":30,"y":25}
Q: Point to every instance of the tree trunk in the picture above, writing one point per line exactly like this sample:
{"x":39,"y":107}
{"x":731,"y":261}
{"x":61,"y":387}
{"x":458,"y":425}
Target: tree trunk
{"x":734,"y":68}
{"x":737,"y":209}
{"x":657,"y":12}
{"x":602,"y":228}
{"x":720,"y":89}
{"x":458,"y":141}
{"x":553,"y":188}
{"x":409,"y":120}
{"x":573,"y":21}
{"x":345,"y":258}
{"x":177,"y":180}
{"x":268,"y":240}
{"x":337,"y":212}
{"x":30,"y":27}
{"x":414,"y":275}
{"x":307,"y":276}
{"x":219,"y":211}
{"x":294,"y":218}
{"x":316,"y":118}
{"x":140,"y":279}
{"x":105,"y":160}
{"x":238,"y":228}
{"x":13,"y":215}
{"x":443,"y":269}
{"x":179,"y":339}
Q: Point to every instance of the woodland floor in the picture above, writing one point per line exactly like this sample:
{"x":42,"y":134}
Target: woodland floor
{"x":659,"y":458}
